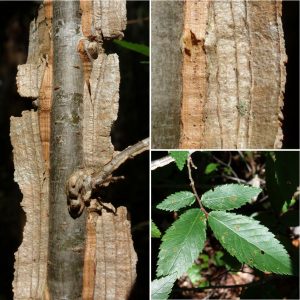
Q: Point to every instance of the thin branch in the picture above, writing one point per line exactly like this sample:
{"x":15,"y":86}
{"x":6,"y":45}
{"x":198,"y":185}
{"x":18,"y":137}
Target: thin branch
{"x":161,"y":162}
{"x":189,"y":165}
{"x":227,"y":165}
{"x":246,"y":163}
{"x":82,"y":182}
{"x":119,"y":159}
{"x":235,"y":179}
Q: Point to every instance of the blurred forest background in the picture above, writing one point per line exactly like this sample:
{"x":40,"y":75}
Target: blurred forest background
{"x":132,"y":125}
{"x":277,"y":207}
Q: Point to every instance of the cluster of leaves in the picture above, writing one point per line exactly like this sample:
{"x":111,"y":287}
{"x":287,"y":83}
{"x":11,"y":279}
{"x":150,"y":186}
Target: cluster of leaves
{"x":243,"y":237}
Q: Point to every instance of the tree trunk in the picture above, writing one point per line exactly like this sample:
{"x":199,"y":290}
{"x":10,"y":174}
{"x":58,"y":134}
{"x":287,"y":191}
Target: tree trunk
{"x":66,"y":235}
{"x":86,"y":257}
{"x":166,"y":83}
{"x":233,"y":76}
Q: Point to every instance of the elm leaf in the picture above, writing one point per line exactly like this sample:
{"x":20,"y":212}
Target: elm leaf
{"x":161,"y":288}
{"x":180,"y":158}
{"x":182,"y":243}
{"x":176,"y":201}
{"x":155,"y":232}
{"x":250,"y":242}
{"x":229,"y":196}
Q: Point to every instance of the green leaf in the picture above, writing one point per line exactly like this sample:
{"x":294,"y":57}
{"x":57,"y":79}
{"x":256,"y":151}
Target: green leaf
{"x":218,"y":258}
{"x":182,"y":243}
{"x":155,"y":232}
{"x":176,"y":201}
{"x":180,"y":158}
{"x":140,"y":48}
{"x":229,"y":196}
{"x":161,"y":288}
{"x":287,"y":205}
{"x":210,"y":168}
{"x":250,"y":242}
{"x":194,"y":272}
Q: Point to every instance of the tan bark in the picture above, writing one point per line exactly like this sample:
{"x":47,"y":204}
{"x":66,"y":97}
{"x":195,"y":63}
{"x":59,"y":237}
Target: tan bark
{"x":31,"y":175}
{"x":233,"y":74}
{"x":109,"y":257}
{"x":101,"y":110}
{"x":34,"y":79}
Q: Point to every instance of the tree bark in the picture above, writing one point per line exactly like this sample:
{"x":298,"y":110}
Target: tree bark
{"x":166,"y":83}
{"x":84,"y":109}
{"x":66,"y":235}
{"x":233,"y":76}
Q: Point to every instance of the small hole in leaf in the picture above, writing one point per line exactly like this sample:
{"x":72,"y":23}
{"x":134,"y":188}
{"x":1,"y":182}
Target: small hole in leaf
{"x":262,"y":252}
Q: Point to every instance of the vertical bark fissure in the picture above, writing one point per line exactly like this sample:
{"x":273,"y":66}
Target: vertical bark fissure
{"x":66,"y":240}
{"x":237,"y":69}
{"x":250,"y":115}
{"x":218,"y":82}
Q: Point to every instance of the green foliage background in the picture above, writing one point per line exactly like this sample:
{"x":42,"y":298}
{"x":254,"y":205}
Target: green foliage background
{"x":276,"y":212}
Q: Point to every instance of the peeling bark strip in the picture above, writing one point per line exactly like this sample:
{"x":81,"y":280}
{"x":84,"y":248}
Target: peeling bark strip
{"x":66,"y":236}
{"x":194,"y":73}
{"x":110,"y":258}
{"x":34,"y":79}
{"x":101,"y":110}
{"x":240,"y":105}
{"x":31,"y":175}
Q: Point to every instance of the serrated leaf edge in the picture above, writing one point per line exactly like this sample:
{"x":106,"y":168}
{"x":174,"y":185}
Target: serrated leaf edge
{"x":225,"y":197}
{"x":155,"y":227}
{"x":187,"y":205}
{"x":205,"y":226}
{"x":258,"y":223}
{"x":172,"y":278}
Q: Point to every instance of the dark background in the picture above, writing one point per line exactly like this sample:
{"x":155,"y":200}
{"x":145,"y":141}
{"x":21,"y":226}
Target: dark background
{"x":132,"y":125}
{"x":290,"y":20}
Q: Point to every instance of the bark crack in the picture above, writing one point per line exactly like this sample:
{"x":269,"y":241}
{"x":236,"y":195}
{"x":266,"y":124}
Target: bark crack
{"x":249,"y":129}
{"x":218,"y":83}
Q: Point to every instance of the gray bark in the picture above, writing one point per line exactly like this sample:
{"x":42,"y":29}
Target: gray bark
{"x":66,"y":236}
{"x":166,"y":64}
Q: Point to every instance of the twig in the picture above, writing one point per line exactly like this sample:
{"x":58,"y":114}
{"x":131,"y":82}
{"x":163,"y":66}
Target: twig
{"x":189,"y":165}
{"x":130,"y":152}
{"x":235,"y":179}
{"x":227,"y":165}
{"x":82,"y":182}
{"x":247,"y":165}
{"x":161,"y":162}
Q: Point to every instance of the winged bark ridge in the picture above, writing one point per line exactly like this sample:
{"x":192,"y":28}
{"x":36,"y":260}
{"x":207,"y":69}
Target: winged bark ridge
{"x":30,"y":135}
{"x":110,"y":259}
{"x":233,"y":74}
{"x":30,"y":173}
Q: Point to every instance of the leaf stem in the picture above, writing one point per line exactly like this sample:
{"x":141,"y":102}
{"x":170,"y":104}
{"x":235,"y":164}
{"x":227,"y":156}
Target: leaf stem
{"x":190,"y":164}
